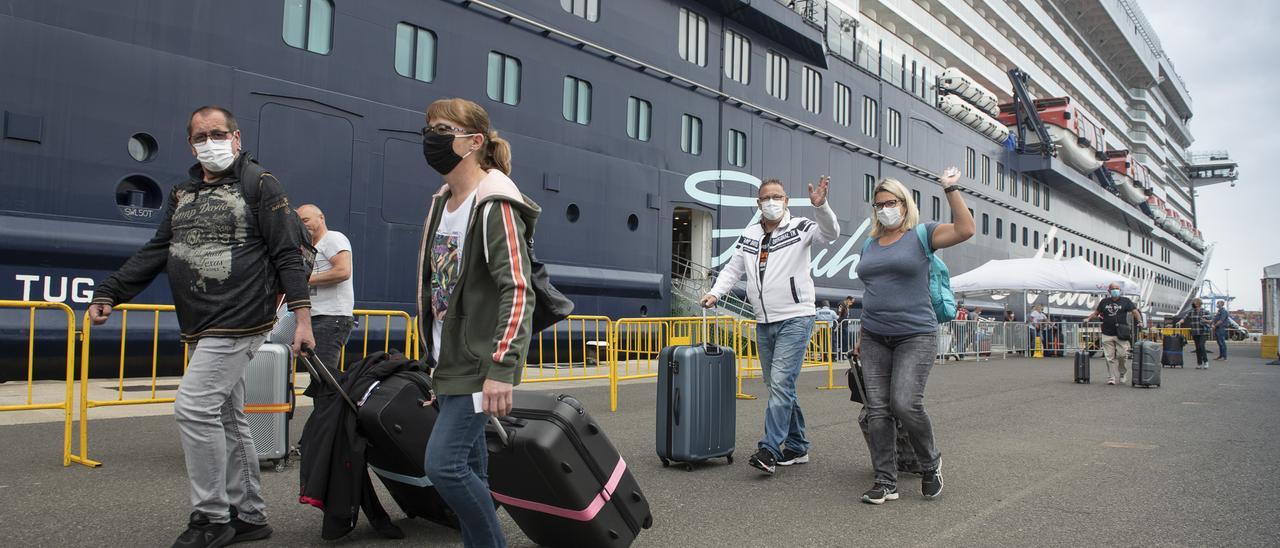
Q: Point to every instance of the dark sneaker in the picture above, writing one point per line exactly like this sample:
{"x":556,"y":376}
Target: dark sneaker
{"x":246,"y":532}
{"x":764,"y":461}
{"x":201,"y":533}
{"x":931,"y":484}
{"x":880,"y":493}
{"x":387,"y":529}
{"x":790,"y":457}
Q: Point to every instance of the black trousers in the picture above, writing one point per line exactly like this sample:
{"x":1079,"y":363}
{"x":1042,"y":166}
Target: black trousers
{"x":1202,"y":353}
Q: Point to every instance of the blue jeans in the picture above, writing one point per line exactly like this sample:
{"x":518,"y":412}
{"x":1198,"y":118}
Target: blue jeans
{"x":1221,"y":335}
{"x":896,"y":370}
{"x":782,"y":346}
{"x":457,"y":464}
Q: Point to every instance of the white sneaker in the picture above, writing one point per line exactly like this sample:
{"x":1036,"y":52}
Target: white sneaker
{"x":1124,"y":379}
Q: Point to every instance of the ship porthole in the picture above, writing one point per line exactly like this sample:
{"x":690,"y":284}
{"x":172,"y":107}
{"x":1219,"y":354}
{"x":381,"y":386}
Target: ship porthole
{"x":571,"y":213}
{"x":633,"y":222}
{"x":139,"y":198}
{"x":142,"y":147}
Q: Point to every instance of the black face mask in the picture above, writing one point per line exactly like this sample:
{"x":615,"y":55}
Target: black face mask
{"x":438,"y":150}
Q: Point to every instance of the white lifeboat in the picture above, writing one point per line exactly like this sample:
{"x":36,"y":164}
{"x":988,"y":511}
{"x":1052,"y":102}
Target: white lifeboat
{"x":1078,"y":139}
{"x":956,"y":82}
{"x":966,"y":113}
{"x":1170,"y":221}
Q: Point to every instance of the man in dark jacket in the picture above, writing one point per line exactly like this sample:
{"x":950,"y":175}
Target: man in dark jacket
{"x":227,"y":243}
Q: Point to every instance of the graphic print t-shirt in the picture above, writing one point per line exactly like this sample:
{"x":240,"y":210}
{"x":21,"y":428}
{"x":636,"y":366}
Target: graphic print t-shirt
{"x":446,"y":263}
{"x":1113,"y":312}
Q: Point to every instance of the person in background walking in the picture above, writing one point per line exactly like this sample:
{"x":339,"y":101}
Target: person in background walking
{"x":1221,"y":322}
{"x":900,"y":329}
{"x":332,"y":289}
{"x":1198,"y":320}
{"x":845,"y":311}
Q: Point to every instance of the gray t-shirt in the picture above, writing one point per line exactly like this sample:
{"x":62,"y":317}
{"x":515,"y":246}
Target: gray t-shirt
{"x":896,"y":281}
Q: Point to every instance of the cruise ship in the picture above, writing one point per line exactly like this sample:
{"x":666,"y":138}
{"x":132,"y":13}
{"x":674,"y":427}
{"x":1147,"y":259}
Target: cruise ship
{"x":642,"y":127}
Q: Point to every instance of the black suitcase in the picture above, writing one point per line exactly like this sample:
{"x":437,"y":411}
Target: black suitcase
{"x":1172,"y":356}
{"x":1082,"y":367}
{"x":397,"y":426}
{"x":1146,"y":364}
{"x":560,"y":478}
{"x":697,"y":404}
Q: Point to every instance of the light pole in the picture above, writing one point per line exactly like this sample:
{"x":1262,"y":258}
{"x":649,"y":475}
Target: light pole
{"x":1228,"y":299}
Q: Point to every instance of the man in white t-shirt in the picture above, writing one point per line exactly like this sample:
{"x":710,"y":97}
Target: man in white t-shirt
{"x":332,"y":293}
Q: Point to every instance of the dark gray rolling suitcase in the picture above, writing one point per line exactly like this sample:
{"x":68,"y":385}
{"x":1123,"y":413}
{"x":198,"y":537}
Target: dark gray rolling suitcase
{"x":697,"y":404}
{"x":1146,"y":364}
{"x":560,"y":478}
{"x":1082,"y":366}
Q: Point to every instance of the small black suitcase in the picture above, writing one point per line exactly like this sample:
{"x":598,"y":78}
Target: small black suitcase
{"x":560,"y":478}
{"x":398,"y":426}
{"x":1082,"y":367}
{"x":1172,"y":356}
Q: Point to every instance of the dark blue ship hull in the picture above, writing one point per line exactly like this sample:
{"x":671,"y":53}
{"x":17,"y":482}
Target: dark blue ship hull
{"x":340,"y":130}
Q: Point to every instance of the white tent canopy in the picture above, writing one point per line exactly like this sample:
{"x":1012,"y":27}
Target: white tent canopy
{"x":1040,"y":275}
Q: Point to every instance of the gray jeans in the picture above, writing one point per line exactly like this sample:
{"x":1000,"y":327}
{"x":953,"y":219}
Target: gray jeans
{"x":896,"y":370}
{"x":222,"y":464}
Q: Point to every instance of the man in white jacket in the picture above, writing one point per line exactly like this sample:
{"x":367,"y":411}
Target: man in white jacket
{"x":774,"y":255}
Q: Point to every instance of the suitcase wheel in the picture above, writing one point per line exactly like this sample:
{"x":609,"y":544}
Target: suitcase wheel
{"x":665,"y":463}
{"x":648,"y":521}
{"x":688,"y":467}
{"x":281,"y":464}
{"x":729,"y":459}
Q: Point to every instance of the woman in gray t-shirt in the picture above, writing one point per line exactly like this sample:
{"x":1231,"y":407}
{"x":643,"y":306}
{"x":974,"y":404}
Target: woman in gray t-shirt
{"x":899,"y":330}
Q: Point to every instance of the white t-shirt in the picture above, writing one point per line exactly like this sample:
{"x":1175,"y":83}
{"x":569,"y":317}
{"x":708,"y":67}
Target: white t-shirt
{"x":335,"y":299}
{"x":446,"y":263}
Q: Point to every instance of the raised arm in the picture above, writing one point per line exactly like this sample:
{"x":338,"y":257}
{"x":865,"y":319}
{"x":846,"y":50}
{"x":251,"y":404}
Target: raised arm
{"x":962,"y":228}
{"x":828,"y":223}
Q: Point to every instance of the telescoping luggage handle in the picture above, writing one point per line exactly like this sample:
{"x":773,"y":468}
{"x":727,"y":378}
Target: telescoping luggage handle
{"x":711,"y":347}
{"x":325,"y":375}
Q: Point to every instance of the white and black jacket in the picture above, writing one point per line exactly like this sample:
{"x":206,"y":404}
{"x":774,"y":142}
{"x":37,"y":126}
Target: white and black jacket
{"x":787,"y":288}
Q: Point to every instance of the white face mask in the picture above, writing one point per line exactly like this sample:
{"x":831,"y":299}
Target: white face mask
{"x":890,"y":217}
{"x":773,"y":209}
{"x":215,"y":156}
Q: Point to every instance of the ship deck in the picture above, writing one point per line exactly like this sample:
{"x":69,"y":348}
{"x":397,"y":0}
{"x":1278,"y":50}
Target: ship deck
{"x":1030,"y":459}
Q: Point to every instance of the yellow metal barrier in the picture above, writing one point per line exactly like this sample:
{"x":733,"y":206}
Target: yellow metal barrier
{"x":819,"y":353}
{"x":576,"y":349}
{"x":68,"y":396}
{"x":636,"y":342}
{"x":122,"y":311}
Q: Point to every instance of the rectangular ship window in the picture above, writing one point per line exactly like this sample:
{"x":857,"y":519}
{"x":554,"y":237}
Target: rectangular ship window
{"x":415,"y":52}
{"x":586,"y":9}
{"x":577,"y":100}
{"x":639,"y":118}
{"x":737,"y":153}
{"x":691,"y":134}
{"x":775,"y":75}
{"x":812,"y":95}
{"x":693,"y":37}
{"x":504,"y":78}
{"x":869,"y":112}
{"x":737,"y":57}
{"x":894,"y":122}
{"x":844,"y":96}
{"x":308,"y":24}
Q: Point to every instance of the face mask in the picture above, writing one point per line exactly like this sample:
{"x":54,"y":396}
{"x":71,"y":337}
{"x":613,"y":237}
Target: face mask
{"x":1115,"y":292}
{"x":890,"y":217}
{"x":215,"y":156}
{"x":772,"y":209}
{"x":438,"y":150}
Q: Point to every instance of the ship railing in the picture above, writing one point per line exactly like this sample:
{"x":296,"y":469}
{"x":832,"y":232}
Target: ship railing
{"x":63,"y":340}
{"x":819,"y":353}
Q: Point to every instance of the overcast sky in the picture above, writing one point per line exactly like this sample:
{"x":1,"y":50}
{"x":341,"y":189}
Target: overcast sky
{"x":1226,"y":53}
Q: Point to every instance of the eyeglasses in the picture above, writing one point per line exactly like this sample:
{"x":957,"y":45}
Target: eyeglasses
{"x":442,"y":129}
{"x":886,"y":203}
{"x":216,"y":135}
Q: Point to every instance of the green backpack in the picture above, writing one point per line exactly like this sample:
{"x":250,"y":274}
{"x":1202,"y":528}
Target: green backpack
{"x":940,"y":295}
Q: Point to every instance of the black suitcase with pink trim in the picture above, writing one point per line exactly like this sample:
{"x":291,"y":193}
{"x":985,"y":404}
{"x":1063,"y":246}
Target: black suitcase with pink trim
{"x":560,"y":478}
